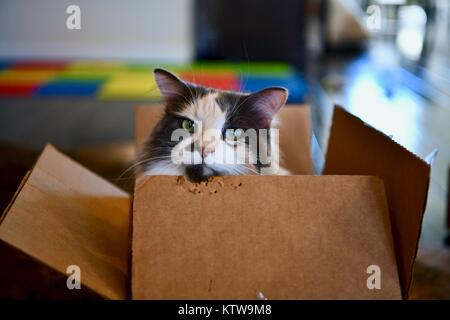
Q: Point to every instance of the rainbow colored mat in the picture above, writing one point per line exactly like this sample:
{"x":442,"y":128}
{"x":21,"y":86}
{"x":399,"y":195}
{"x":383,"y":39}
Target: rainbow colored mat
{"x":130,"y":81}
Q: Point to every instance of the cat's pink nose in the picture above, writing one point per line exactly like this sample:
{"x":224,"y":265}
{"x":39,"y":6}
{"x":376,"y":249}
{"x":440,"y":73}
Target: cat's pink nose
{"x":207,"y":149}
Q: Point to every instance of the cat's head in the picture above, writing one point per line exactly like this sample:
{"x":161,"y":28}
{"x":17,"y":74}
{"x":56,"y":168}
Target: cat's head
{"x":206,"y":132}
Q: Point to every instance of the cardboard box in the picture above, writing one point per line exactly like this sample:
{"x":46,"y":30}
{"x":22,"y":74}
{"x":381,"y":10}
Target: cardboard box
{"x":303,"y":236}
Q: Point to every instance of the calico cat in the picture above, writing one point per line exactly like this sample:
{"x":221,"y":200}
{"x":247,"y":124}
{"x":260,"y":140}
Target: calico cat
{"x":223,"y":132}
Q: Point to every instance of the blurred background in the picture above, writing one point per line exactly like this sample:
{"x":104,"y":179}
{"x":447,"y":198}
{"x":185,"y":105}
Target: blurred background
{"x":72,"y":78}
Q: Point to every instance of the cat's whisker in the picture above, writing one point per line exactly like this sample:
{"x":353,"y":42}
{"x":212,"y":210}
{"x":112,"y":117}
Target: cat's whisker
{"x":236,"y":169}
{"x":142,"y":162}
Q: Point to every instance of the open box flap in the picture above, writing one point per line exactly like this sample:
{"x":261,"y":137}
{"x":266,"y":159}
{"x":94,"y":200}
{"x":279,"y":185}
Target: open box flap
{"x":288,"y":237}
{"x":358,"y":149}
{"x":19,"y":188}
{"x":66,"y":215}
{"x":295,"y":134}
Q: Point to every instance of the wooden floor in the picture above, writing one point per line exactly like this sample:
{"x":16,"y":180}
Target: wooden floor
{"x":387,"y":97}
{"x":413,"y":108}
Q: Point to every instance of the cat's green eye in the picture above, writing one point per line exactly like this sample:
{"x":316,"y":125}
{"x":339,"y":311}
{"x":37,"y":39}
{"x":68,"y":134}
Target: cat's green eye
{"x":229,"y":134}
{"x":188,"y":125}
{"x":232,"y":134}
{"x":238,"y":133}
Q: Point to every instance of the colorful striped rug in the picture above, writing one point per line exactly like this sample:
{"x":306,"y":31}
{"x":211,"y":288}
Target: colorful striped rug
{"x":131,"y":81}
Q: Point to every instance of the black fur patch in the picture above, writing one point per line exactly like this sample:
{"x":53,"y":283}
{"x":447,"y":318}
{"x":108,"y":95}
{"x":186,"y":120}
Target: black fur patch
{"x":199,"y":172}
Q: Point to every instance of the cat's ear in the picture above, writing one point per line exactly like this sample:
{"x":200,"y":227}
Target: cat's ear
{"x":269,"y":101}
{"x":170,"y":85}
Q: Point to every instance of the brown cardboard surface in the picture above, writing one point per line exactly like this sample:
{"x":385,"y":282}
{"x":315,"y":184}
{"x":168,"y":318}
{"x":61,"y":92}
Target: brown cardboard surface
{"x":289,"y":237}
{"x":66,"y":215}
{"x":146,"y":117}
{"x":295,"y":134}
{"x":295,"y":139}
{"x":356,"y":148}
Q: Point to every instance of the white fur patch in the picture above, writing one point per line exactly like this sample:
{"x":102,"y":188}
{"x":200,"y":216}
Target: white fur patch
{"x":207,"y":111}
{"x":210,"y":118}
{"x":164,"y":168}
